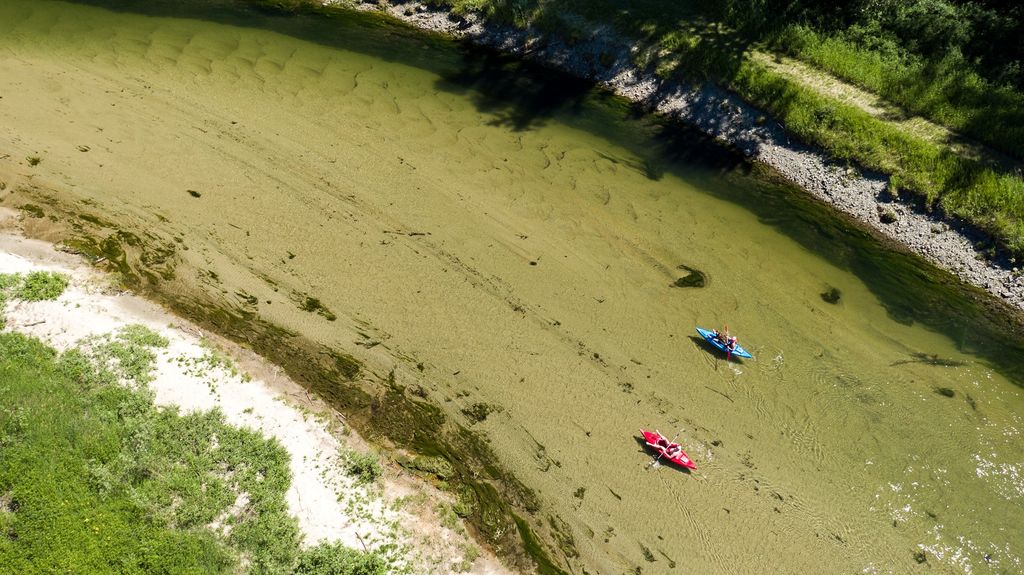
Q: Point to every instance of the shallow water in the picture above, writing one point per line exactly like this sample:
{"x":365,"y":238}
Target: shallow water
{"x":517,"y":235}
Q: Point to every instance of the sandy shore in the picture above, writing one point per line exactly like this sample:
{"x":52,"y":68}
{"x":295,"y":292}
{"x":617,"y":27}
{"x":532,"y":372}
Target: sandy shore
{"x":606,"y":58}
{"x":328,"y":504}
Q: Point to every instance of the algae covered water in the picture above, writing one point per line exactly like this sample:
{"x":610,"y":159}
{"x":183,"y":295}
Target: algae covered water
{"x":532,"y":257}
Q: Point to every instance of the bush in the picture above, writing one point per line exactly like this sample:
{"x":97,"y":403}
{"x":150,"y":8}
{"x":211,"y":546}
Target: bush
{"x":9,"y":281}
{"x":365,"y":467}
{"x":336,"y":559}
{"x":39,"y":286}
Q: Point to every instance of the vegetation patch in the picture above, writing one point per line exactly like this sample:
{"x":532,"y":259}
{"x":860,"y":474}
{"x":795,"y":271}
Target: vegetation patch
{"x":313,"y":305}
{"x":36,"y":286}
{"x":336,"y":559}
{"x":97,"y":479}
{"x":32,"y":210}
{"x":126,"y":357}
{"x":8,"y":282}
{"x":831,"y":295}
{"x":364,"y":467}
{"x":40,"y":286}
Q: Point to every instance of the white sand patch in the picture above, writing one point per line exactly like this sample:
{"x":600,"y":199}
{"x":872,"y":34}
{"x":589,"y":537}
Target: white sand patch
{"x":329,"y":505}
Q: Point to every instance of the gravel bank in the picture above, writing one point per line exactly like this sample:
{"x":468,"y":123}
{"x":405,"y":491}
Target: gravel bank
{"x":605,"y":58}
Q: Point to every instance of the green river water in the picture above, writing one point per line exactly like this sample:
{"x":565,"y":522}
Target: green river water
{"x":500,"y":235}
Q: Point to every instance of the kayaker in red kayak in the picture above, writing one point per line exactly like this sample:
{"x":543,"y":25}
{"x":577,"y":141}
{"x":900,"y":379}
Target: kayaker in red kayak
{"x":668,"y":450}
{"x":671,"y":449}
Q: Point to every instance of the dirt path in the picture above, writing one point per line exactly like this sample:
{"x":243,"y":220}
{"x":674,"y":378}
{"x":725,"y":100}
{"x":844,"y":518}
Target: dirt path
{"x":844,"y":92}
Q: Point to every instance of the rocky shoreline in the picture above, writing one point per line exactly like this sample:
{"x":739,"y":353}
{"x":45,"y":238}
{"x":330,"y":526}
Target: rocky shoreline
{"x":607,"y":59}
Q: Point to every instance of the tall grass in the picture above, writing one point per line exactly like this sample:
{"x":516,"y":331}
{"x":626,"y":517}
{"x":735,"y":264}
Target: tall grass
{"x":962,"y":187}
{"x":946,"y":91}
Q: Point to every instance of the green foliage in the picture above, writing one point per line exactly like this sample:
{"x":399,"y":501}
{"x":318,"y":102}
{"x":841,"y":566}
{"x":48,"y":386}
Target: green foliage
{"x":365,"y":467}
{"x":127,"y":356}
{"x":37,"y":286}
{"x":8,"y":282}
{"x":944,"y":89}
{"x":107,"y":483}
{"x":336,"y":559}
{"x":963,"y":187}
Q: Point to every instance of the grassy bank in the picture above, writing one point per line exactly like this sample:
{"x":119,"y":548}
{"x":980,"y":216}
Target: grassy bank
{"x":94,"y":478}
{"x":925,"y":76}
{"x":961,"y":187}
{"x":946,"y":90}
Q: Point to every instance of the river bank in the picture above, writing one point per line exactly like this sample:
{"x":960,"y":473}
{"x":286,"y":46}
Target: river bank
{"x":402,"y":518}
{"x":607,"y":59}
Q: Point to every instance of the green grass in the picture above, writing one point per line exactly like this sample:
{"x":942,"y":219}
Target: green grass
{"x":962,"y":187}
{"x":946,"y":91}
{"x":37,"y":286}
{"x":95,"y":479}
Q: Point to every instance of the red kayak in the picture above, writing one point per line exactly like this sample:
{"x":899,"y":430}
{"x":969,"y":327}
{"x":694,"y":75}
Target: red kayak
{"x":668,"y":450}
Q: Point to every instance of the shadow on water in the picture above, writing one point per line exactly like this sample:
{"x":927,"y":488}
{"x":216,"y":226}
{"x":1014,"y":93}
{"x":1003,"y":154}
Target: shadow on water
{"x":522,"y":96}
{"x":911,"y":290}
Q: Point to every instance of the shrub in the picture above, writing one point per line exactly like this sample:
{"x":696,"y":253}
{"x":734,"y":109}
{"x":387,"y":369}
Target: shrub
{"x":8,"y":282}
{"x":336,"y":559}
{"x":39,"y":286}
{"x":365,"y":467}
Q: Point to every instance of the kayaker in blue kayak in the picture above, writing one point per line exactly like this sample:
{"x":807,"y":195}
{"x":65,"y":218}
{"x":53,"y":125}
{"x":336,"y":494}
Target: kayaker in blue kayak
{"x":725,"y":339}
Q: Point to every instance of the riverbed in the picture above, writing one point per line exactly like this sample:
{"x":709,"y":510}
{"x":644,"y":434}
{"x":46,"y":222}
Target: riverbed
{"x":505,"y":237}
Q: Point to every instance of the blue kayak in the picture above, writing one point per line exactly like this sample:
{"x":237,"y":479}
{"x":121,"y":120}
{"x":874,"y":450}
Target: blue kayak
{"x":710,"y":337}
